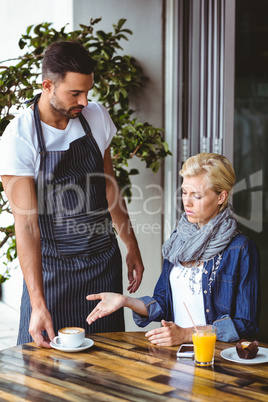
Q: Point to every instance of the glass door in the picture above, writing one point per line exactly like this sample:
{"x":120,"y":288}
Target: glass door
{"x":217,"y":101}
{"x":251,"y":134}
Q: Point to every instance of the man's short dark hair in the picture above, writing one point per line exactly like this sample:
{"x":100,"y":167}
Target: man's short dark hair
{"x":63,"y":57}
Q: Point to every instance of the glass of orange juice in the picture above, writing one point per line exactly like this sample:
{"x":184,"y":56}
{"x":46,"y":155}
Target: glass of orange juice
{"x":204,"y":338}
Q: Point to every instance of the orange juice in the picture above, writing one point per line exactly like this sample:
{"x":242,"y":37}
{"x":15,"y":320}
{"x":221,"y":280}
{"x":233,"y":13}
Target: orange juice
{"x":204,"y":344}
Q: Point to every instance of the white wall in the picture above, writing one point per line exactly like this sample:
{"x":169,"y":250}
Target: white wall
{"x":17,"y":15}
{"x":144,"y":18}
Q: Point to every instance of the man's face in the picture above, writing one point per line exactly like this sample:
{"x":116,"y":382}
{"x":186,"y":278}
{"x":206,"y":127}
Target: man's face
{"x":69,"y":97}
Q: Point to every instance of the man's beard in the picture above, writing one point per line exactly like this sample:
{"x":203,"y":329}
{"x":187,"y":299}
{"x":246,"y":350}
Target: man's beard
{"x":58,"y":109}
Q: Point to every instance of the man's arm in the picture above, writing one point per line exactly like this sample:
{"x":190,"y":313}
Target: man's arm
{"x":122,"y":224}
{"x":21,"y":194}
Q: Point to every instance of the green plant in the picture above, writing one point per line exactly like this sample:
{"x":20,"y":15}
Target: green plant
{"x":116,"y":76}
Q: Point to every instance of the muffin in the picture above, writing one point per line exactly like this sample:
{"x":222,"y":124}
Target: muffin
{"x":246,"y":349}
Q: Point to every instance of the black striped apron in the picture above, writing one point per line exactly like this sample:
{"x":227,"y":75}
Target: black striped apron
{"x":80,"y":253}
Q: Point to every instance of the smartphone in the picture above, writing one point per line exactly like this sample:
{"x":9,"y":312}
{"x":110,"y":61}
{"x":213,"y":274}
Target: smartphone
{"x":186,"y":350}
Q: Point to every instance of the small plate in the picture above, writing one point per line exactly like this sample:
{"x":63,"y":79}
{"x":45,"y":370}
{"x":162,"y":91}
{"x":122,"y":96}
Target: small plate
{"x":231,"y":354}
{"x":87,"y":343}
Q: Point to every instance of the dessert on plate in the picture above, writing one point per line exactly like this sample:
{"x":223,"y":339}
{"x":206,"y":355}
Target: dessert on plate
{"x":246,"y":349}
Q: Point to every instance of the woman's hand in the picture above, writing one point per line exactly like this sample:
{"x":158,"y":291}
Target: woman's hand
{"x":170,"y":334}
{"x":110,"y":302}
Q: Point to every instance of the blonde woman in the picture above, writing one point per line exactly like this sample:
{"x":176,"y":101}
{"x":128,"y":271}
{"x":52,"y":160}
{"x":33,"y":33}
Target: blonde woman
{"x":207,"y":263}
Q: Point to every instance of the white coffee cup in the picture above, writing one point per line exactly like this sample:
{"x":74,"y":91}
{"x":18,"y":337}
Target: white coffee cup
{"x":70,"y":337}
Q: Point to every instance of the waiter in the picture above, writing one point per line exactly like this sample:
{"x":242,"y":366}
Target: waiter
{"x":57,"y":173}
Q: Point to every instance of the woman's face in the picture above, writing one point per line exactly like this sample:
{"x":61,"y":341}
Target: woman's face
{"x":200,"y":202}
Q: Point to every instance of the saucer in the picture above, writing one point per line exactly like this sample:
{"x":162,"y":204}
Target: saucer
{"x":231,"y":355}
{"x":87,"y":343}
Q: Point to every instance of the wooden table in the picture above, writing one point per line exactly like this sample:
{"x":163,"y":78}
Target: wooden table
{"x":125,"y":367}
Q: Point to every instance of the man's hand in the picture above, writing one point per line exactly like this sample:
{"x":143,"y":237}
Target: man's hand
{"x":169,"y":334}
{"x":110,"y":302}
{"x":40,"y":321}
{"x":135,"y":269}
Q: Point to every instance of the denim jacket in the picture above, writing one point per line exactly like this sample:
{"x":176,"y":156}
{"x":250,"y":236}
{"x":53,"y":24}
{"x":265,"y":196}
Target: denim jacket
{"x":230,"y":292}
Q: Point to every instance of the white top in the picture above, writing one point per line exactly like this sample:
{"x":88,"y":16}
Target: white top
{"x":19,"y":150}
{"x":186,"y":286}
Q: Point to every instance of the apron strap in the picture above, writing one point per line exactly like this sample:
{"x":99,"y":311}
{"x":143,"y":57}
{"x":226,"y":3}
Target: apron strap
{"x":38,"y":126}
{"x":85,"y":125}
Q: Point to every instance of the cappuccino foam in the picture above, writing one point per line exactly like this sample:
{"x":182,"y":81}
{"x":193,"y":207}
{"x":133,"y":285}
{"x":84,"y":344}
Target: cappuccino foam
{"x":71,"y":330}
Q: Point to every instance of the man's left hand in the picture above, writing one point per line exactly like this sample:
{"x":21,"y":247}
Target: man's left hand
{"x":135,"y":269}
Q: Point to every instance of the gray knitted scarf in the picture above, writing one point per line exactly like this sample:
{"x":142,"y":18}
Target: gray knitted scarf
{"x":191,"y":243}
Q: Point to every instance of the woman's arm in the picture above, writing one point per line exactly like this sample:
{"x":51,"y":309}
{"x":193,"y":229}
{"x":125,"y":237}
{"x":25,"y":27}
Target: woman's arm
{"x":246,"y":314}
{"x":242,"y":322}
{"x":168,"y":335}
{"x":111,"y":302}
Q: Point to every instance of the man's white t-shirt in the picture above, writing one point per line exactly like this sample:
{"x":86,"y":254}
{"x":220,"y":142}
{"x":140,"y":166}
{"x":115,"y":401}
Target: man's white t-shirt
{"x":19,"y":150}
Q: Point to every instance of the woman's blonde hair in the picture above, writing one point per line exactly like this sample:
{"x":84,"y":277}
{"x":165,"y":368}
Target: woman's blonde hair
{"x":219,"y":172}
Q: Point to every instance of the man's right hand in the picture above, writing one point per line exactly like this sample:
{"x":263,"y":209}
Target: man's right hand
{"x":40,"y":321}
